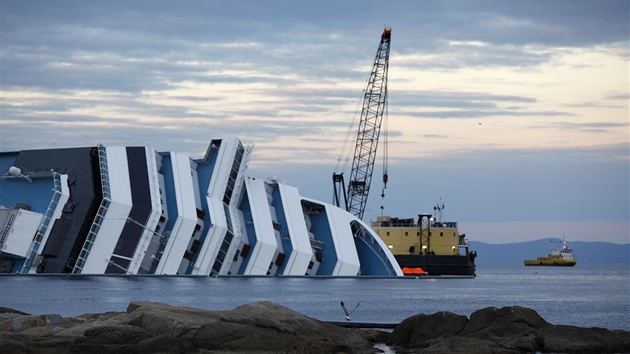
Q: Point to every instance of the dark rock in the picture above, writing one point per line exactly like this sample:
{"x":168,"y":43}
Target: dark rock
{"x":16,"y":322}
{"x":271,"y":327}
{"x":505,"y":330}
{"x":121,"y":333}
{"x":514,"y":328}
{"x":10,"y":310}
{"x":491,"y":317}
{"x":464,"y":345}
{"x":148,"y":327}
{"x":373,"y":335}
{"x":570,"y":339}
{"x":419,"y":330}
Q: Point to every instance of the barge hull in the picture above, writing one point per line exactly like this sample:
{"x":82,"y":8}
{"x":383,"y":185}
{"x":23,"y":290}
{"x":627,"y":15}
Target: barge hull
{"x":438,"y":264}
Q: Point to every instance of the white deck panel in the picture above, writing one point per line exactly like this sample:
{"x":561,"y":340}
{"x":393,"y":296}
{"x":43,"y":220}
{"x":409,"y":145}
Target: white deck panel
{"x":214,"y":199}
{"x":236,"y":218}
{"x":63,"y":199}
{"x":116,"y":215}
{"x":156,"y":211}
{"x":347,"y":257}
{"x":214,"y":237}
{"x":20,"y":236}
{"x":222,"y":168}
{"x":186,"y":216}
{"x":214,"y":196}
{"x":263,"y":252}
{"x":298,"y":260}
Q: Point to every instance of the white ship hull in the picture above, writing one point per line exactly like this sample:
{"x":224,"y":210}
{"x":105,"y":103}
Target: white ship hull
{"x":132,"y":210}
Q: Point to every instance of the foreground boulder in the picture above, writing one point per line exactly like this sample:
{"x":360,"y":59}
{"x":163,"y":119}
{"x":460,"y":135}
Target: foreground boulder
{"x":421,"y":331}
{"x":149,"y":327}
{"x":265,"y":327}
{"x":505,"y":330}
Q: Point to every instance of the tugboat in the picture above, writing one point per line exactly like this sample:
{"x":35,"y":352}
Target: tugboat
{"x":559,"y":256}
{"x":428,"y":246}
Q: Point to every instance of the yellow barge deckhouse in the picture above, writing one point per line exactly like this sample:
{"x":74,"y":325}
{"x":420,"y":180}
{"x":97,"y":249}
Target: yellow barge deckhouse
{"x":431,"y":244}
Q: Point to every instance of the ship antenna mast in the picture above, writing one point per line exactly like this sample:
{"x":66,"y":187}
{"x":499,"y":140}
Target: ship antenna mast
{"x":439,"y":210}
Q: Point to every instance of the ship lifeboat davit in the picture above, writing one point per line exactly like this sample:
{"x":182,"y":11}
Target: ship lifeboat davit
{"x":413,"y":271}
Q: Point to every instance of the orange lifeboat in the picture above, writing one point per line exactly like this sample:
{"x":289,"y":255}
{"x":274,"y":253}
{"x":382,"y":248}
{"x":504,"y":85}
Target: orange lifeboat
{"x":414,"y":271}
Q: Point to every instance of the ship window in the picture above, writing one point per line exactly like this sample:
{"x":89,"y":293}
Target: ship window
{"x":406,"y":233}
{"x":441,"y":234}
{"x":387,"y":233}
{"x":418,"y":233}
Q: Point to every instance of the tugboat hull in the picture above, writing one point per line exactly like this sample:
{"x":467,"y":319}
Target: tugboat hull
{"x":551,"y":262}
{"x":559,"y":256}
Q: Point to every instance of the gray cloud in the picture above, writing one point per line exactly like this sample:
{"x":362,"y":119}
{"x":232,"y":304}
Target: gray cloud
{"x":151,"y":44}
{"x":62,"y":63}
{"x":464,"y":114}
{"x":453,"y":99}
{"x":593,"y":127}
{"x":618,"y":96}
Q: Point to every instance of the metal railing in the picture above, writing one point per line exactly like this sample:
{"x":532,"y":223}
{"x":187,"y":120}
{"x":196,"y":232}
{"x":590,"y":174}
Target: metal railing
{"x":100,"y":215}
{"x":44,"y":224}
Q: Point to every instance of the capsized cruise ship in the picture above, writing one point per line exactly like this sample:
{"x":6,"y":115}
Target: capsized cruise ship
{"x":133,"y":210}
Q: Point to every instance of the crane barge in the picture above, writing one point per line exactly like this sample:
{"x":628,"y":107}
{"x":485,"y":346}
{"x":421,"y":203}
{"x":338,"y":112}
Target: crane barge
{"x":441,"y":251}
{"x":374,"y":104}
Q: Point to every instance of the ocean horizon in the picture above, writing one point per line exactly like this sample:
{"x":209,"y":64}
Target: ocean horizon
{"x":587,"y":295}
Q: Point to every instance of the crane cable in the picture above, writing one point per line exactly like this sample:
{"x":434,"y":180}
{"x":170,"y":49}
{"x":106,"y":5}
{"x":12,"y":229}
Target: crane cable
{"x":385,"y":147}
{"x":344,"y":155}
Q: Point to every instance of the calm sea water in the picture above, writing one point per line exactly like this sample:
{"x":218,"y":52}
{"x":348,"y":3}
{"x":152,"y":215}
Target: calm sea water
{"x":587,"y":295}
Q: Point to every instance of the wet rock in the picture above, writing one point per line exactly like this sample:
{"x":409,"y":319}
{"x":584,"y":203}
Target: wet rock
{"x":422,"y":330}
{"x":514,"y":328}
{"x":571,"y":339}
{"x":271,"y":327}
{"x":373,"y":335}
{"x":4,"y":310}
{"x":120,"y":333}
{"x":490,"y":317}
{"x":505,"y":330}
{"x":40,"y":324}
{"x":148,"y":327}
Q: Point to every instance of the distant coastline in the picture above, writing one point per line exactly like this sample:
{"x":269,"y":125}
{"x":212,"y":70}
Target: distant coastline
{"x":585,"y":252}
{"x":615,"y":232}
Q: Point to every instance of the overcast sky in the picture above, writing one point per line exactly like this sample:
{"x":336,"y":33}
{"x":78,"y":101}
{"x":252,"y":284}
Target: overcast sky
{"x":513,"y":113}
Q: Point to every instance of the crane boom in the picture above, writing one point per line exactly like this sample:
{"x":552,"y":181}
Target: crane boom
{"x":374,"y":102}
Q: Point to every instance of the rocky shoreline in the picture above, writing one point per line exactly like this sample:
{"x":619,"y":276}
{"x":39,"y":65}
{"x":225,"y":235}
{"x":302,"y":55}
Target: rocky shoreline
{"x":266,"y":327}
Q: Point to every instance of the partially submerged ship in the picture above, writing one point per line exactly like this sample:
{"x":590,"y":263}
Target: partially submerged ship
{"x":559,"y":256}
{"x":134,"y":210}
{"x":428,"y":246}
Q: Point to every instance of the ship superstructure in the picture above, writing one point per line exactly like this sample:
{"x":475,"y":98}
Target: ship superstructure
{"x":560,"y":255}
{"x":429,"y":246}
{"x":134,"y":210}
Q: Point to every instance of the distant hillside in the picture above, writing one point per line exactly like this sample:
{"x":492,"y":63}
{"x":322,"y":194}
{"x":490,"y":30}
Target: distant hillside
{"x":586,"y":252}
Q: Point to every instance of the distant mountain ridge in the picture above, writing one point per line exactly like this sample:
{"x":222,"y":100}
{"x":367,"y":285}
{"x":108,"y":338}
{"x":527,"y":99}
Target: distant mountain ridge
{"x":584,"y":252}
